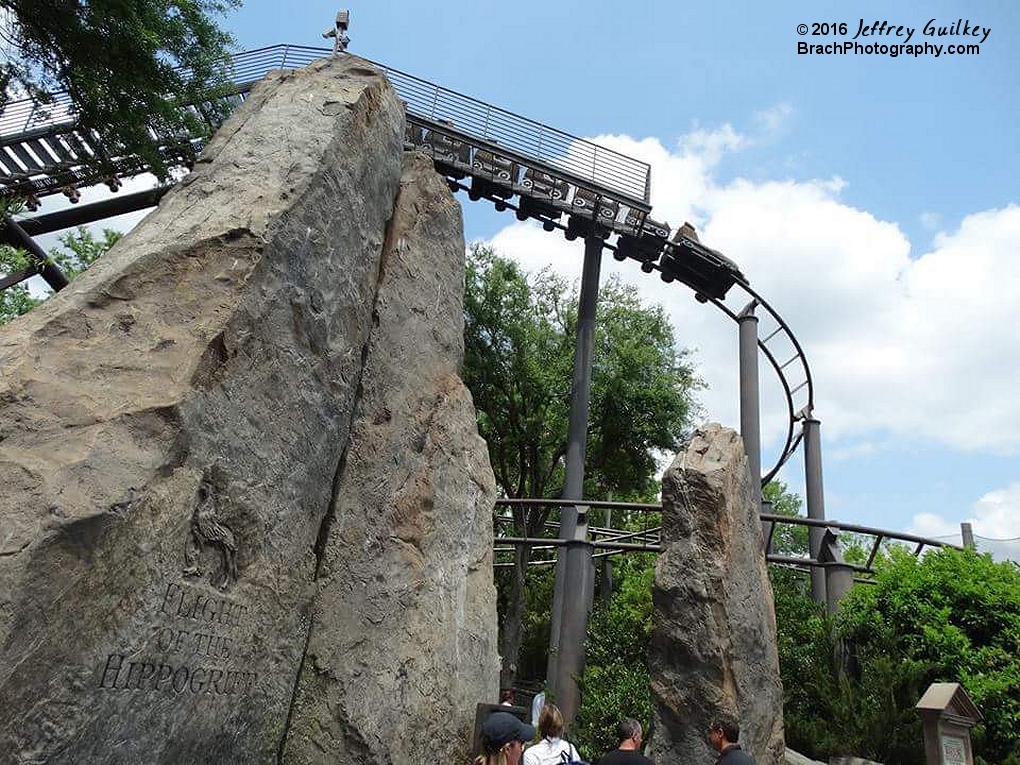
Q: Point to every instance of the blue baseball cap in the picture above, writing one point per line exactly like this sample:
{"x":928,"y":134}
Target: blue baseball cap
{"x":501,"y":728}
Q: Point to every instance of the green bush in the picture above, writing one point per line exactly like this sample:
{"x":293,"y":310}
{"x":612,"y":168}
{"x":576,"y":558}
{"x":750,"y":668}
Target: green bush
{"x":850,"y":684}
{"x":615,"y":683}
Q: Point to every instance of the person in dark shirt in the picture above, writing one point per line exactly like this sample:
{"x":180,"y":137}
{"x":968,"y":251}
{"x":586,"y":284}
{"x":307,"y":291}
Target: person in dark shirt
{"x":723,"y":734}
{"x":628,"y":751}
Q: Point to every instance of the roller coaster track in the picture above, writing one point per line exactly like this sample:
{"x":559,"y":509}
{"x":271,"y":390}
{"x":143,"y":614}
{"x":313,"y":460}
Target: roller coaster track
{"x":516,"y":163}
{"x":608,"y":541}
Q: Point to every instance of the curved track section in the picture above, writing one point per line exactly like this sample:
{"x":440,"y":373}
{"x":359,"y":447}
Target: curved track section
{"x":787,"y":358}
{"x":776,"y":340}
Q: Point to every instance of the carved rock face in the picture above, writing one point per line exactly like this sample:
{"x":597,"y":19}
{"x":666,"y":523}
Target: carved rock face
{"x":713,"y":643}
{"x":402,"y":629}
{"x":172,"y":431}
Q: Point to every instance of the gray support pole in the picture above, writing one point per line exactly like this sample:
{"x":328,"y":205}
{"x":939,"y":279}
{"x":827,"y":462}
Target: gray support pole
{"x":47,"y":269}
{"x":967,"y":532}
{"x":750,"y":407}
{"x":574,"y":568}
{"x":579,"y":583}
{"x":815,"y":499}
{"x":839,"y":577}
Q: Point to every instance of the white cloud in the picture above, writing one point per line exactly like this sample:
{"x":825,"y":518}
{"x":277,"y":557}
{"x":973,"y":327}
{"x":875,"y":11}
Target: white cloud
{"x":930,"y":220}
{"x":995,"y":521}
{"x":774,"y":119}
{"x":900,"y":347}
{"x":853,"y":451}
{"x":712,"y":144}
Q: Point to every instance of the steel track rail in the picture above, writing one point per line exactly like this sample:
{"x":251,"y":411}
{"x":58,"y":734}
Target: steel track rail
{"x":616,"y":545}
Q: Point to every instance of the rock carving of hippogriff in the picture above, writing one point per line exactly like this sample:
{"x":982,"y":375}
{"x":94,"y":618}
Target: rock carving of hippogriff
{"x":208,"y":531}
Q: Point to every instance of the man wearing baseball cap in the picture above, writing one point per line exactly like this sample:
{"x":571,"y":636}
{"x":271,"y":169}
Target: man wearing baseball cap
{"x":503,"y":739}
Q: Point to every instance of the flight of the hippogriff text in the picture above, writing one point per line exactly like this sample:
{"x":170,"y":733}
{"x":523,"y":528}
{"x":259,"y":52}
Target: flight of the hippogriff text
{"x":880,"y":37}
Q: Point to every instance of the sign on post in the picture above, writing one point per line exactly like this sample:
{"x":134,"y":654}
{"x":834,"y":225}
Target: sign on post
{"x":947,"y":714}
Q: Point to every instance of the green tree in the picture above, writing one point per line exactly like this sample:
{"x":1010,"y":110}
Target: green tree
{"x":616,"y":682}
{"x":16,"y":300}
{"x":127,"y":65}
{"x":519,"y":347}
{"x":78,"y":250}
{"x":950,"y":616}
{"x":787,"y":538}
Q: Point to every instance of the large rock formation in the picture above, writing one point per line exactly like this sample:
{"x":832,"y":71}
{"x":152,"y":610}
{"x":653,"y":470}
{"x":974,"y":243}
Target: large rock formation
{"x":713,"y":643}
{"x":395,"y":575}
{"x":173,"y":432}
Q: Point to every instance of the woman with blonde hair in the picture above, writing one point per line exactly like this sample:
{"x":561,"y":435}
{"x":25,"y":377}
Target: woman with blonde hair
{"x":503,"y":739}
{"x":552,"y":749}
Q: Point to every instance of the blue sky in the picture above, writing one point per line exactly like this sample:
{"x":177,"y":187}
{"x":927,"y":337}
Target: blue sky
{"x":871,"y":199}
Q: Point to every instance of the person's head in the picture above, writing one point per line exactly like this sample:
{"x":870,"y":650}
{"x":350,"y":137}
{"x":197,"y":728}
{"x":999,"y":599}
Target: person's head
{"x":628,"y":733}
{"x":550,"y":721}
{"x":723,"y":730}
{"x":503,"y":737}
{"x":506,"y":696}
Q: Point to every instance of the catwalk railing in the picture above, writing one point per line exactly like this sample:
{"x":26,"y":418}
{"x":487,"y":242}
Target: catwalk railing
{"x":42,"y":152}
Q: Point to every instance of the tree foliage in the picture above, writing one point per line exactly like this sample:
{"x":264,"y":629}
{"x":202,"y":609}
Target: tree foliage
{"x":519,"y":350}
{"x":787,"y":538}
{"x":951,"y":616}
{"x":519,"y":336}
{"x":80,"y":248}
{"x":954,"y":616}
{"x":128,"y":65}
{"x":16,"y":300}
{"x":615,"y":682}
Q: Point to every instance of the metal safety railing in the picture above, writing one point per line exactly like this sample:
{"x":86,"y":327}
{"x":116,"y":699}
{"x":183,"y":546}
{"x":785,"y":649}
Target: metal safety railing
{"x":29,"y":119}
{"x":584,"y":159}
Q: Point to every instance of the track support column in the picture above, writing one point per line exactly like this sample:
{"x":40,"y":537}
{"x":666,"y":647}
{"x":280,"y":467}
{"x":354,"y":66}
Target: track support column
{"x":815,"y":499}
{"x":750,"y":407}
{"x":572,"y":595}
{"x":967,"y":534}
{"x":16,"y":235}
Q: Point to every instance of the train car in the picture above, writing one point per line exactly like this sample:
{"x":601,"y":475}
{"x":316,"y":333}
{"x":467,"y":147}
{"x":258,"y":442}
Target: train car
{"x":591,"y":214}
{"x":451,"y":155}
{"x":414,"y":135}
{"x":643,"y":239}
{"x":638,"y":223}
{"x":545,"y":196}
{"x":708,"y":272}
{"x":492,"y":175}
{"x":595,"y":205}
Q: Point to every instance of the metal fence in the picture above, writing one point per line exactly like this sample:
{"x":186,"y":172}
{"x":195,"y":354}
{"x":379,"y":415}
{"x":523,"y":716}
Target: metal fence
{"x":27,"y":118}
